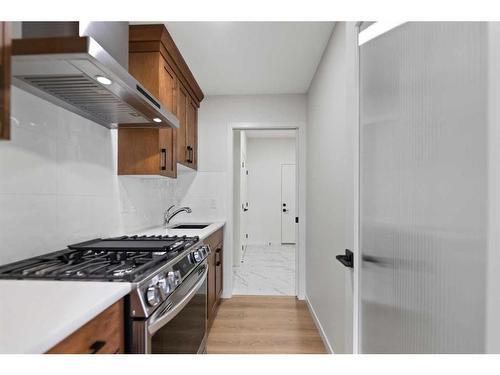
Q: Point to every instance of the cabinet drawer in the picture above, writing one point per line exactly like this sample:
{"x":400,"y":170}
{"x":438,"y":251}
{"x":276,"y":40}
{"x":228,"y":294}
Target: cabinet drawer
{"x":102,"y":335}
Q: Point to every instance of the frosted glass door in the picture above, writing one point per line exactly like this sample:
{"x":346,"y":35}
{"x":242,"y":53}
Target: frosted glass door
{"x":423,"y":182}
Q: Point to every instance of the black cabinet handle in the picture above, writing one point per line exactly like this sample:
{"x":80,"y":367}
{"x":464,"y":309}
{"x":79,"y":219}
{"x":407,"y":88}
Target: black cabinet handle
{"x":189,"y":151}
{"x":96,"y":346}
{"x":218,"y":250}
{"x":163,"y":163}
{"x":347,"y":259}
{"x":217,"y":264}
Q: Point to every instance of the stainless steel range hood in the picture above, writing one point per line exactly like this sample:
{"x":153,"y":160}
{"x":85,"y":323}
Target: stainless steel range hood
{"x":77,"y":73}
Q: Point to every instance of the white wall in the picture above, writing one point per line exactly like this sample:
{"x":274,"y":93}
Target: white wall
{"x":59,"y":185}
{"x":264,"y":159}
{"x":330,"y":184}
{"x":206,"y":190}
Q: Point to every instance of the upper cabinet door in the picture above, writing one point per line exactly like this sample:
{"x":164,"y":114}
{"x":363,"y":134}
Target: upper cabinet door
{"x":168,"y":153}
{"x":168,"y":87}
{"x":5,"y":52}
{"x":192,"y":134}
{"x":182,"y":136}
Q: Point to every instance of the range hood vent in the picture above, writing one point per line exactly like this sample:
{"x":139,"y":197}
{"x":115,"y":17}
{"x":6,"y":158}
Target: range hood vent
{"x":76,"y":73}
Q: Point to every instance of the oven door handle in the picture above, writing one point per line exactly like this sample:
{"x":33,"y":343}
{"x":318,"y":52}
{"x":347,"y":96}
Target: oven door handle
{"x":171,"y":313}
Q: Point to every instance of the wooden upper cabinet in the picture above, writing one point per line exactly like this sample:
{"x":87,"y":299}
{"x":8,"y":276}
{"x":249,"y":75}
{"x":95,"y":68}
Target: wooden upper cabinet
{"x":5,"y":53}
{"x":192,"y":135}
{"x":178,"y":90}
{"x":147,"y":151}
{"x":150,"y":151}
{"x":182,"y":110}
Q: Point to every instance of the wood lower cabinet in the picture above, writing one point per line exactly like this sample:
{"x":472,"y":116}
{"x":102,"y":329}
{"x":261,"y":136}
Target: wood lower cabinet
{"x":102,"y":335}
{"x":215,"y":274}
{"x":218,"y":272}
{"x":5,"y":53}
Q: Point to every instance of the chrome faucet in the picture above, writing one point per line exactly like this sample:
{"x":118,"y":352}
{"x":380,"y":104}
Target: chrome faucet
{"x":170,"y":215}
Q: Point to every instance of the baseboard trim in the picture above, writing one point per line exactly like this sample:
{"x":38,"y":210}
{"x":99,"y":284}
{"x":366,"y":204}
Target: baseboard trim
{"x":319,"y":326}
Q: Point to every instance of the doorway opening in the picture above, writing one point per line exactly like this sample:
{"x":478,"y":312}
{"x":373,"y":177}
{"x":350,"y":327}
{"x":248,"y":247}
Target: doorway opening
{"x":264,"y":212}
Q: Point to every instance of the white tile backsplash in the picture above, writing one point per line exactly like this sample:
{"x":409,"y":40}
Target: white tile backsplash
{"x":59,"y":185}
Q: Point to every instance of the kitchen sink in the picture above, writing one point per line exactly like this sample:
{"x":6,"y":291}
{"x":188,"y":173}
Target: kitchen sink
{"x":189,"y":226}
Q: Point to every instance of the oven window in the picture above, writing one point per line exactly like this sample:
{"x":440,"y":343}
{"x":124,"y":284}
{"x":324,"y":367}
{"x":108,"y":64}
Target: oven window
{"x":185,"y":333}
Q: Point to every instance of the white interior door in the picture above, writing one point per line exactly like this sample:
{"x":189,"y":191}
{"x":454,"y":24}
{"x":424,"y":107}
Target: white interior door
{"x":423,"y":209}
{"x":288,"y":197}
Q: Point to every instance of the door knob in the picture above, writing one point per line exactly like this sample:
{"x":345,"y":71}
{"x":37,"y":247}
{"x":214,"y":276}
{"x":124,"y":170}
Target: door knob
{"x":347,"y":260}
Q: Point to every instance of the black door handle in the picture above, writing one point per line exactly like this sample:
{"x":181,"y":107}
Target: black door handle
{"x":163,"y":162}
{"x":347,"y":259}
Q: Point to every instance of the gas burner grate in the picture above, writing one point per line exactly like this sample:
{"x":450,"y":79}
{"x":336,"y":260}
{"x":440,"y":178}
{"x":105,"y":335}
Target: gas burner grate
{"x":125,"y":258}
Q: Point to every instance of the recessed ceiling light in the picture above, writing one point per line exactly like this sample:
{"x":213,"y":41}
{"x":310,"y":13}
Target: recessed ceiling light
{"x":156,"y":119}
{"x":103,"y":80}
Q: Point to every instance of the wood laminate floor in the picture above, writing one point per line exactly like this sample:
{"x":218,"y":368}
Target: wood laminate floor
{"x":264,"y":325}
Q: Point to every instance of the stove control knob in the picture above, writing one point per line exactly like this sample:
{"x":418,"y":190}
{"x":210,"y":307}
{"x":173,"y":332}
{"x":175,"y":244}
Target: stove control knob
{"x":165,"y":286}
{"x":191,"y":258}
{"x":174,"y":277}
{"x":152,"y":296}
{"x":206,"y":249}
{"x":198,"y":255}
{"x":178,"y":277}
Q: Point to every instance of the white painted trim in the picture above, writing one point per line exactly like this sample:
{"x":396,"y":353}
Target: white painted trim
{"x":322,"y":333}
{"x":300,"y":256}
{"x":356,"y":346}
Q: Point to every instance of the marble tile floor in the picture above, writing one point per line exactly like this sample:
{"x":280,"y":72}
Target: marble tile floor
{"x":266,"y":270}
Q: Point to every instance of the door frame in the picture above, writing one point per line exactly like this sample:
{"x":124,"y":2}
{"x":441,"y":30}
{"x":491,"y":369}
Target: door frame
{"x":354,"y":82}
{"x":300,"y":203}
{"x":295,"y":167}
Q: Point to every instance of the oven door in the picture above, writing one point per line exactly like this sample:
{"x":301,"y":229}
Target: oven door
{"x":179,"y":325}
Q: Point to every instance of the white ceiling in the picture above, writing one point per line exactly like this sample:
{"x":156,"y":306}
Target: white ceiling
{"x":270,"y":133}
{"x":238,"y":58}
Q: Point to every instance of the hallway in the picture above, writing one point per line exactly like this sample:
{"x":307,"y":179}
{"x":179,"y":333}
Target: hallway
{"x":266,"y":270}
{"x":264,"y":325}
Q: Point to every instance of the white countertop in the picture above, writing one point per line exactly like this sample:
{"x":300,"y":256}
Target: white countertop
{"x":202,"y":233}
{"x":35,"y":315}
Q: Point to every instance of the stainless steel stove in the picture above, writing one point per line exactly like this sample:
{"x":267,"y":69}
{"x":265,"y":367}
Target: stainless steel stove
{"x":166,"y":310}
